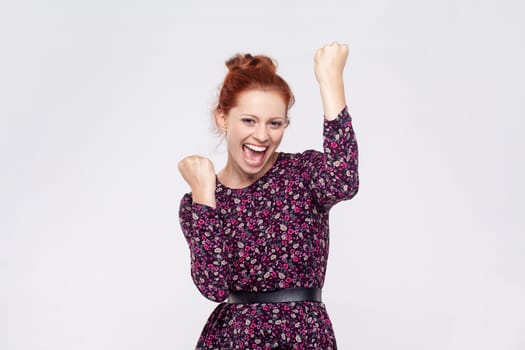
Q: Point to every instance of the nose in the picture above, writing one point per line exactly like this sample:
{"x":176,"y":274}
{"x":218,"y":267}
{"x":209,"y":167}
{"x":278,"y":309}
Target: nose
{"x":261,"y":133}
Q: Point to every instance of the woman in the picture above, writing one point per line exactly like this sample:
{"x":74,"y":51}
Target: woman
{"x":258,"y":230}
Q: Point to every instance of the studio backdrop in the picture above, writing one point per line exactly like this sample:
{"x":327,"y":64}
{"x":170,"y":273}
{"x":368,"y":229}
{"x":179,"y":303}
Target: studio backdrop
{"x":99,"y":100}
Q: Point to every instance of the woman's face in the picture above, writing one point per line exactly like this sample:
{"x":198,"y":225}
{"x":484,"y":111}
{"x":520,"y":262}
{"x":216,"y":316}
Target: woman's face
{"x":253,"y":130}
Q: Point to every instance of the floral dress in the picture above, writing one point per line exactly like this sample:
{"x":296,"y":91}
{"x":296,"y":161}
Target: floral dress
{"x":270,"y":235}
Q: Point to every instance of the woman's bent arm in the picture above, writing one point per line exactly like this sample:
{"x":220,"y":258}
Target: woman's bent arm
{"x":202,"y":228}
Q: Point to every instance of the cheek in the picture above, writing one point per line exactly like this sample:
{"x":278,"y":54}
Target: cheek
{"x":277,"y":135}
{"x":235,"y":134}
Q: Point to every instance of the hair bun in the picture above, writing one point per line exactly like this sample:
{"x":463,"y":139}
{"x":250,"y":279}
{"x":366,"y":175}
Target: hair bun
{"x":247,"y":61}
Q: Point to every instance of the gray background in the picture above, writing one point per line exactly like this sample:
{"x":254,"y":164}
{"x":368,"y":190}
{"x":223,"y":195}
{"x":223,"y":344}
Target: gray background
{"x":100,"y":99}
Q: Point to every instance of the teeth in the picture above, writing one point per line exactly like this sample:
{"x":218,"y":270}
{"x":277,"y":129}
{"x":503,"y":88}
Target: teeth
{"x":255,"y":148}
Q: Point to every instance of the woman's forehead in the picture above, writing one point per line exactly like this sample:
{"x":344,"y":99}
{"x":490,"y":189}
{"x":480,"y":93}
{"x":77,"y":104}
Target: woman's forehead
{"x":261,"y":103}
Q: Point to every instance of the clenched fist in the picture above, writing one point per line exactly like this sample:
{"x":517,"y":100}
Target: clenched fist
{"x":199,"y":173}
{"x":329,"y":62}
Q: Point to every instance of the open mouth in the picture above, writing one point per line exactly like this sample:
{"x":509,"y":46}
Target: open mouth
{"x":254,"y":155}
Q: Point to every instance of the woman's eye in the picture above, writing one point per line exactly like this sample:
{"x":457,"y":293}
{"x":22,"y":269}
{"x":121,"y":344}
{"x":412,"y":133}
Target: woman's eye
{"x":276,"y":123}
{"x":248,"y":120}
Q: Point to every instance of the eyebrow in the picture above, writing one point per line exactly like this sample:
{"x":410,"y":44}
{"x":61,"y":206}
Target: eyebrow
{"x":254,"y":116}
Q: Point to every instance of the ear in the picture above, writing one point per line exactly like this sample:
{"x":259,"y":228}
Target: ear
{"x":221,"y":120}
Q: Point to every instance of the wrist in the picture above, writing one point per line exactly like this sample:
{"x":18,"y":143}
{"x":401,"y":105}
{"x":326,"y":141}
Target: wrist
{"x":205,"y":197}
{"x":333,"y":102}
{"x":331,"y":83}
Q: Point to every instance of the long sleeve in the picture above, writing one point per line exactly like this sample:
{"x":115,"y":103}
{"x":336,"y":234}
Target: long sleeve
{"x":333,"y":174}
{"x":202,"y":228}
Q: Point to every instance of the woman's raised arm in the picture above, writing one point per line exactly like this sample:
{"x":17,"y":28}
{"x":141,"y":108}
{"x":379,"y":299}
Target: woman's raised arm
{"x":329,"y":63}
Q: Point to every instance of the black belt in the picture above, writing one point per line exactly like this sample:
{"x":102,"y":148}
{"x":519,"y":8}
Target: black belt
{"x":276,"y":296}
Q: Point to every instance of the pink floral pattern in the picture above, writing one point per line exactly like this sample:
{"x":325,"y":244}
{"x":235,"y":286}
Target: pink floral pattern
{"x":270,"y":235}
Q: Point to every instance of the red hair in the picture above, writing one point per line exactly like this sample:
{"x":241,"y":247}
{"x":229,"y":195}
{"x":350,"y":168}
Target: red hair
{"x":247,"y":72}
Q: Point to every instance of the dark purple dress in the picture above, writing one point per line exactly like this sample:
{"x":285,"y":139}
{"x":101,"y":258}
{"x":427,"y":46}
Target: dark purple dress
{"x":272,"y":234}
